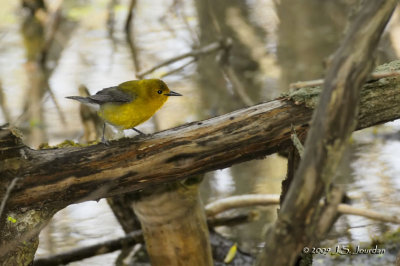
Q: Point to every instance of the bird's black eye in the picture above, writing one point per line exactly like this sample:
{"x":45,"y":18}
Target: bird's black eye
{"x":159,"y":91}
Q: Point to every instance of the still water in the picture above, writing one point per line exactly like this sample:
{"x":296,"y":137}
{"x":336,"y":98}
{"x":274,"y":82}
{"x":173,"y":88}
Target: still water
{"x":274,"y":45}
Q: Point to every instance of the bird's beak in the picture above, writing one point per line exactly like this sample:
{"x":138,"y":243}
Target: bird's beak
{"x":172,"y":93}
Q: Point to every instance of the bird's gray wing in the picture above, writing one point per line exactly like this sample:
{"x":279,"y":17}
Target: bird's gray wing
{"x":111,"y":95}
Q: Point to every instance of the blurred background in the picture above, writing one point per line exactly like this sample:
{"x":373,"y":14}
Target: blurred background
{"x":52,"y":49}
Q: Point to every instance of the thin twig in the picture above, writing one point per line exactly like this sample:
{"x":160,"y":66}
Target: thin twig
{"x":51,"y":31}
{"x":3,"y":104}
{"x":380,"y":75}
{"x":10,"y":187}
{"x":319,"y":82}
{"x":93,"y":250}
{"x":237,"y":85}
{"x":111,"y":20}
{"x":226,"y":67}
{"x":178,"y":68}
{"x":297,"y":143}
{"x":194,"y":53}
{"x":214,"y":19}
{"x":193,"y":33}
{"x":57,"y":105}
{"x":130,"y":37}
{"x":129,"y":17}
{"x":309,"y":83}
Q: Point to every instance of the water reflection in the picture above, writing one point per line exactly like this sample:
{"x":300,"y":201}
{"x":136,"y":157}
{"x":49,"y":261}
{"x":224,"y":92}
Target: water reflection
{"x":222,"y":184}
{"x":81,"y":225}
{"x":269,"y":51}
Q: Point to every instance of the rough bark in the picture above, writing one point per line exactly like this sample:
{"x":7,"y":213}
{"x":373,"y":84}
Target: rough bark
{"x":63,"y":176}
{"x":19,"y":235}
{"x":51,"y":179}
{"x":120,"y":205}
{"x":293,"y":164}
{"x":298,"y":224}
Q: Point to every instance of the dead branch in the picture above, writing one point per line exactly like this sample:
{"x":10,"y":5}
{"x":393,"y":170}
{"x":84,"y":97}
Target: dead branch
{"x":234,"y":202}
{"x":319,"y":82}
{"x":67,"y":175}
{"x":297,"y":143}
{"x":335,"y":118}
{"x":4,"y":199}
{"x":51,"y":31}
{"x":90,"y":251}
{"x":241,"y":201}
{"x":3,"y":104}
{"x":130,"y":36}
{"x":194,"y":53}
{"x":232,"y":220}
{"x":129,"y":239}
{"x":178,"y":68}
{"x":373,"y":215}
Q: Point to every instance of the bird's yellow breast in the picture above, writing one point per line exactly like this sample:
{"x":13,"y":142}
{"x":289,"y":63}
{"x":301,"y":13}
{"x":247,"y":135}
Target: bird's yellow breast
{"x":129,"y":115}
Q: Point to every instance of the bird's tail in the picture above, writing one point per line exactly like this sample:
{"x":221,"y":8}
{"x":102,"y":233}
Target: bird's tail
{"x":81,"y":99}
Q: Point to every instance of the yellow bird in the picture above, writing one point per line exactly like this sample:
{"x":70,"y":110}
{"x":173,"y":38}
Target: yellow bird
{"x":130,"y":103}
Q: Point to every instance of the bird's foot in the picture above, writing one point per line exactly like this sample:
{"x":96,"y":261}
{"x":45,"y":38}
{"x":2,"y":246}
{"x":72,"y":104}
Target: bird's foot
{"x":138,"y":131}
{"x":104,"y":141}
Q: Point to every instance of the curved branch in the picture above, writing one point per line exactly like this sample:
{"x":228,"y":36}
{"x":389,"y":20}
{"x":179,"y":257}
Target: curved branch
{"x":234,"y":202}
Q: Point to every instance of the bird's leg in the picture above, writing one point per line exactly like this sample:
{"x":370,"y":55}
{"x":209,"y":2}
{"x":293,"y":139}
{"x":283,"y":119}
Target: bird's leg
{"x":138,"y":131}
{"x":103,"y":139}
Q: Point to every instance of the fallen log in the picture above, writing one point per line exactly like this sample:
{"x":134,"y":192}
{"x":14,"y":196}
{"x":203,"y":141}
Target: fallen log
{"x":61,"y":176}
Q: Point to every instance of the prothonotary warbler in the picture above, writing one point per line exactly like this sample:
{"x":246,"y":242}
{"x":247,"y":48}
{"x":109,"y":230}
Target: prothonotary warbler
{"x":130,"y":103}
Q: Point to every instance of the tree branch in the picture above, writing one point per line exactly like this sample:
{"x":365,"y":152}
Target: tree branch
{"x":212,"y":47}
{"x":218,"y":206}
{"x":319,"y":82}
{"x":332,"y":124}
{"x":241,"y":201}
{"x":129,"y":239}
{"x":63,"y":176}
{"x":105,"y":247}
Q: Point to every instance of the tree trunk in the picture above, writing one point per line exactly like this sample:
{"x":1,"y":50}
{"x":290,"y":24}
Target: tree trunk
{"x":174,"y":226}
